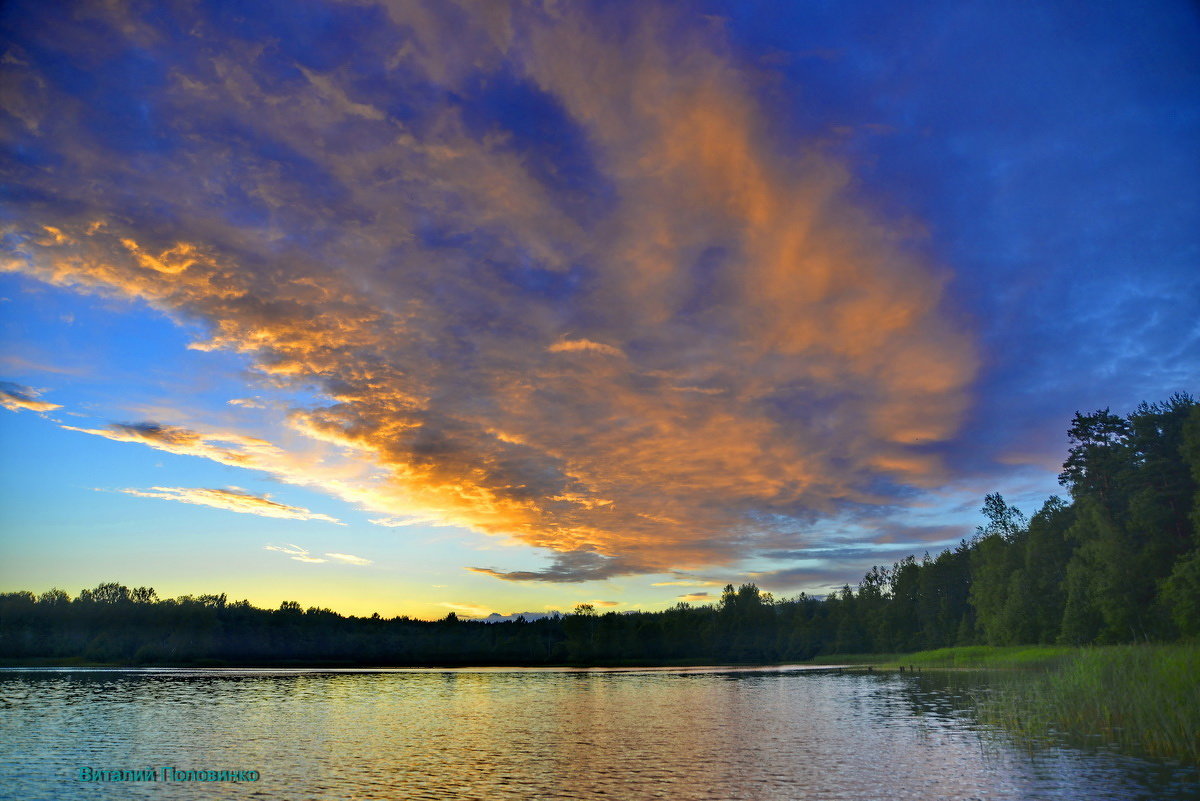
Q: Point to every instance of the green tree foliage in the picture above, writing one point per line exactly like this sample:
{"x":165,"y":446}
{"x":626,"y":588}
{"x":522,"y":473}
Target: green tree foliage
{"x":1047,"y":552}
{"x":1134,"y":494}
{"x":1181,"y":590}
{"x":999,"y":584}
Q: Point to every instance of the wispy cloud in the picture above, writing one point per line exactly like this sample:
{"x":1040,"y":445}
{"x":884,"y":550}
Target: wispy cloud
{"x":16,"y":397}
{"x":235,"y":450}
{"x":627,"y":348}
{"x":304,"y":555}
{"x":349,"y":559}
{"x":234,"y":500}
{"x":297,"y":553}
{"x":11,"y":361}
{"x":403,"y":522}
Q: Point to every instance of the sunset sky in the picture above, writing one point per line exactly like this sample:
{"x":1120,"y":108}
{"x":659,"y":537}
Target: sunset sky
{"x":417,"y":307}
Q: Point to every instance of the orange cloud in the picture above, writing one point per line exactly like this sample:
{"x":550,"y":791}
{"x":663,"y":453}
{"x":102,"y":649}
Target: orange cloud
{"x":235,"y":450}
{"x":15,"y":397}
{"x":583,"y":345}
{"x":780,"y":351}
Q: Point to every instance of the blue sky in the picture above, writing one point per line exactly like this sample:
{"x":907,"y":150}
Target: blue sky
{"x":412,"y":307}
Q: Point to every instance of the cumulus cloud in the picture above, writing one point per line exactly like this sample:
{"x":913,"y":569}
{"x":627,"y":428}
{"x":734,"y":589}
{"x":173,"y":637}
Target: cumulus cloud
{"x":235,"y":500}
{"x":16,"y":397}
{"x":630,"y":341}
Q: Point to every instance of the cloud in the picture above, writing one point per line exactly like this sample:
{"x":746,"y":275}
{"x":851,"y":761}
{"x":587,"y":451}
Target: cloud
{"x":696,"y":597}
{"x":802,"y":577}
{"x":567,"y":567}
{"x":453,"y":252}
{"x":16,"y":397}
{"x":349,"y":559}
{"x":297,"y":553}
{"x":583,"y":346}
{"x":402,"y":522}
{"x":11,"y":361}
{"x":470,"y":610}
{"x":304,"y":555}
{"x":234,"y":500}
{"x":352,"y":479}
{"x":905,"y":534}
{"x":233,"y":449}
{"x":822,"y":569}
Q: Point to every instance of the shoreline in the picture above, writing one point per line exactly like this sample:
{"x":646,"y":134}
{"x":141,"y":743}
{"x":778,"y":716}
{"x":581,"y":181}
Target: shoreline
{"x":962,"y":657}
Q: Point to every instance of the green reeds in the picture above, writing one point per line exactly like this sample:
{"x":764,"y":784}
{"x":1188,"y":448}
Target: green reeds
{"x":1141,"y":698}
{"x":964,"y":656}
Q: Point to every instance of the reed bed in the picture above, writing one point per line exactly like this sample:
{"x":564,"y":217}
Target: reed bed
{"x":1143,"y":699}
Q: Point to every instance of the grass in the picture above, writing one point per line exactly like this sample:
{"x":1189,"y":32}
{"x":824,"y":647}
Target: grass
{"x":967,"y":656}
{"x":1141,"y":698}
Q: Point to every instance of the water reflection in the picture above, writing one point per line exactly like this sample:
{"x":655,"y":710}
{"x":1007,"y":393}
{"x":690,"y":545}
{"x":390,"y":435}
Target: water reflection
{"x":518,"y":734}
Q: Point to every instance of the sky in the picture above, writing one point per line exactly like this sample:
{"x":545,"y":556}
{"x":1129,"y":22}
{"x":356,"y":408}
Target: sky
{"x":417,"y":307}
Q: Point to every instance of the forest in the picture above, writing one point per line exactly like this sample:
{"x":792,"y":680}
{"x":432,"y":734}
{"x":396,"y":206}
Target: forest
{"x":1116,"y":562}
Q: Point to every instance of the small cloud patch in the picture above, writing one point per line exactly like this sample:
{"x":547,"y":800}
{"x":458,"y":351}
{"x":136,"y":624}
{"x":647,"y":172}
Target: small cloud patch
{"x":296,"y":552}
{"x":16,"y":397}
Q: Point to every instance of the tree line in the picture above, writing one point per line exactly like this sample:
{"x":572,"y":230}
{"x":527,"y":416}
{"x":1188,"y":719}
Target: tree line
{"x":1117,"y":562}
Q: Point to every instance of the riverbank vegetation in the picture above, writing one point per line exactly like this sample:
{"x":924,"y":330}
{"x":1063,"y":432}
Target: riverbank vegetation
{"x":1142,"y":698}
{"x":982,"y":657}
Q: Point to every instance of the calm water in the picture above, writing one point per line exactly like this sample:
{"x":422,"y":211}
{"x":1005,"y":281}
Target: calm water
{"x":676,"y":734}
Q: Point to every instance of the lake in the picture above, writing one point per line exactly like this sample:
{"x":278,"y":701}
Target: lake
{"x":677,"y":733}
